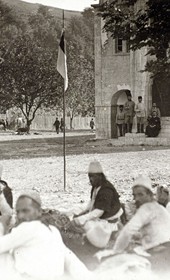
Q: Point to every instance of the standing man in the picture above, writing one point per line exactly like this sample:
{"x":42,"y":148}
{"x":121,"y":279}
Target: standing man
{"x":129,"y":113}
{"x":156,"y":110}
{"x":92,"y":124}
{"x":140,"y":114}
{"x":120,"y":120}
{"x":62,"y":125}
{"x":34,"y":250}
{"x":57,"y":125}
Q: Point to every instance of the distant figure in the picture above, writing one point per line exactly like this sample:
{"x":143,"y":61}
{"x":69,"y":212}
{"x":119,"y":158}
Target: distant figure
{"x":140,"y":114}
{"x":92,"y":124}
{"x":57,"y":125}
{"x":154,"y":125}
{"x":120,"y":120}
{"x":129,"y":113}
{"x":62,"y":125}
{"x":155,"y":109}
{"x":20,"y":122}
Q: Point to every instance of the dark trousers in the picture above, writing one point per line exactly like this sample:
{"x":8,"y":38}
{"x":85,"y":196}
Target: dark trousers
{"x":121,"y":129}
{"x":128,"y":127}
{"x":57,"y":130}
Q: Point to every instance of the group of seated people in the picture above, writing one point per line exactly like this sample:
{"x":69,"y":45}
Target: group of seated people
{"x":31,"y":249}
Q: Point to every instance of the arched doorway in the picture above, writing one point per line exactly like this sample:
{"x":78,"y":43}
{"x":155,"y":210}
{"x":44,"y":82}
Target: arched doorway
{"x":119,"y":98}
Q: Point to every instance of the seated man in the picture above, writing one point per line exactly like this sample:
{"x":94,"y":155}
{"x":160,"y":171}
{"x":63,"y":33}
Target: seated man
{"x":152,"y":221}
{"x":163,"y":196}
{"x":34,"y":250}
{"x":7,"y":193}
{"x":101,"y":215}
{"x":154,"y":125}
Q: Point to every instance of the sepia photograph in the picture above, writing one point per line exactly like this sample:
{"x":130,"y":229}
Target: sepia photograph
{"x":84,"y":139}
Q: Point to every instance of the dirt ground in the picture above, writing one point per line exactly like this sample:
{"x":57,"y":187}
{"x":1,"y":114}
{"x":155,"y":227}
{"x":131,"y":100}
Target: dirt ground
{"x":48,"y":144}
{"x":37,"y":164}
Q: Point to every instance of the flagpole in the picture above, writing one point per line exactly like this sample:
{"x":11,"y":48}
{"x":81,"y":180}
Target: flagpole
{"x":64,"y":131}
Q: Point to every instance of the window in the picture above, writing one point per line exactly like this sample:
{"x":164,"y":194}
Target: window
{"x":127,"y":46}
{"x":119,"y":45}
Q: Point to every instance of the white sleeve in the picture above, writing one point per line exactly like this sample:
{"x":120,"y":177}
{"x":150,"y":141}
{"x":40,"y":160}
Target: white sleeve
{"x":142,"y":217}
{"x":17,"y":237}
{"x":96,"y":213}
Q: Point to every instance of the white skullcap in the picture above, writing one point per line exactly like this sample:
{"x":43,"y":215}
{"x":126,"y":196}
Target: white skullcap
{"x":95,"y":167}
{"x":33,"y":195}
{"x":143,"y":181}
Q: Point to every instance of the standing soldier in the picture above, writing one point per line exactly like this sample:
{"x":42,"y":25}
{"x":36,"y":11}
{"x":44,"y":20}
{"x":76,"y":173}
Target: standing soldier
{"x":129,"y":112}
{"x":92,"y":124}
{"x":57,"y":125}
{"x":140,"y":114}
{"x":120,"y":120}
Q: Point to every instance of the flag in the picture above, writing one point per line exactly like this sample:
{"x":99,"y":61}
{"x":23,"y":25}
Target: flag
{"x":62,"y":61}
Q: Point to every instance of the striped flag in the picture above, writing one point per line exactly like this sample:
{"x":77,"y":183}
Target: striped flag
{"x":62,"y":61}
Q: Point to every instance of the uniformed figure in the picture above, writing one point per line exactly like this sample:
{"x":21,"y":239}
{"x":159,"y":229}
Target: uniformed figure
{"x":129,"y":113}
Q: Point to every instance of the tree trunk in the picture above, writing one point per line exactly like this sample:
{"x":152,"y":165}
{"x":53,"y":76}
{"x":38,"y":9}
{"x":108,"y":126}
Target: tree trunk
{"x":71,"y":122}
{"x":28,"y":125}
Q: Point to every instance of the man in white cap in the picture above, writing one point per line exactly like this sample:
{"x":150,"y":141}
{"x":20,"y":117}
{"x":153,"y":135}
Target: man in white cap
{"x":100,"y":217}
{"x":152,"y":220}
{"x":34,"y":250}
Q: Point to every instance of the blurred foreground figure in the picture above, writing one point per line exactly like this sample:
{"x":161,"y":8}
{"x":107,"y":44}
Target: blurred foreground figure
{"x":100,"y":218}
{"x":152,"y":221}
{"x":34,"y":250}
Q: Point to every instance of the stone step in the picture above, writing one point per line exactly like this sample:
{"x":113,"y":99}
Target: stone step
{"x":148,"y":141}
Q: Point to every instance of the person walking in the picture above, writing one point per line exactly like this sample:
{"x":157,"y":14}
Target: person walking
{"x":57,"y":125}
{"x":140,"y":114}
{"x":92,"y":124}
{"x":129,"y":113}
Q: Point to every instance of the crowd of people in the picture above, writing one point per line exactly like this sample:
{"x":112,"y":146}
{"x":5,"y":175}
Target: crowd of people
{"x":32,"y":249}
{"x":127,"y":112}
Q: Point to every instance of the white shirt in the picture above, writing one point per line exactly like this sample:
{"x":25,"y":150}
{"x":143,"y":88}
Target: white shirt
{"x":153,"y":222}
{"x":140,"y":110}
{"x":37,"y":250}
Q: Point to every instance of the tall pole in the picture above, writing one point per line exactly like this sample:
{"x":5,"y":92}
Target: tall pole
{"x":64,"y":131}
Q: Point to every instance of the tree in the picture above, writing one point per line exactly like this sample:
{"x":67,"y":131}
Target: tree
{"x":28,"y":75}
{"x":80,"y":57}
{"x":148,"y":27}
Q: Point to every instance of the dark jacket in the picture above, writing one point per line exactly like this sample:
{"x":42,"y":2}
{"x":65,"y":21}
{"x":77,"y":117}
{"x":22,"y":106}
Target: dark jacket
{"x":107,"y":199}
{"x":7,"y":194}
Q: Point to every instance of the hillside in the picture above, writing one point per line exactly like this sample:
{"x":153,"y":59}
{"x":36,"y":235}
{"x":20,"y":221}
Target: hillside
{"x":24,"y":9}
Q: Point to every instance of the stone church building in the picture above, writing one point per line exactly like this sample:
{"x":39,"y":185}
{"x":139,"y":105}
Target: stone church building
{"x":118,"y":69}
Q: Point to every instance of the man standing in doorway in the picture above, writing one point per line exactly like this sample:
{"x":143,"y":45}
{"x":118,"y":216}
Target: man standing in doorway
{"x":129,"y":112}
{"x":140,"y":114}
